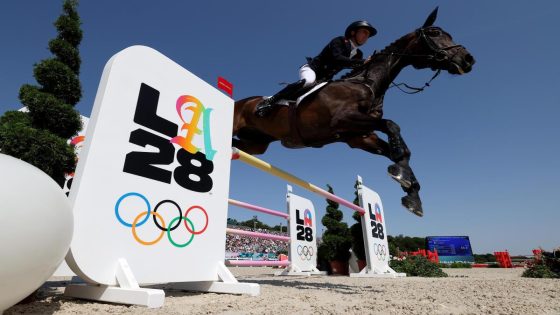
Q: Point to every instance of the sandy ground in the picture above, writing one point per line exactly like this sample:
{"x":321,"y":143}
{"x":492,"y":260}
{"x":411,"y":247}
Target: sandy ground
{"x":465,"y":291}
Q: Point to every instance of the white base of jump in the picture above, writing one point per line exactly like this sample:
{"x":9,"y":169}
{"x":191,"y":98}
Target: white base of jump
{"x":295,"y":271}
{"x":374,"y":273}
{"x":228,"y":284}
{"x":151,"y":298}
{"x":129,"y":292}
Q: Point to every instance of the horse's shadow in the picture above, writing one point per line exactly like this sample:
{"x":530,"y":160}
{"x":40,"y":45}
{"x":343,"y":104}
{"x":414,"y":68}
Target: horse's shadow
{"x":177,"y":291}
{"x":48,"y":299}
{"x":313,"y":285}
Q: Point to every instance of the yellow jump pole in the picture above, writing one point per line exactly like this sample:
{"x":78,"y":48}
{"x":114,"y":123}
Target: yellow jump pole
{"x":262,"y":165}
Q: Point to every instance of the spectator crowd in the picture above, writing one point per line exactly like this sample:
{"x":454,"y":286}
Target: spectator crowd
{"x":244,"y":244}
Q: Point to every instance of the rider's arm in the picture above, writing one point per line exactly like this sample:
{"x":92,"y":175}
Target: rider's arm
{"x":338,"y":47}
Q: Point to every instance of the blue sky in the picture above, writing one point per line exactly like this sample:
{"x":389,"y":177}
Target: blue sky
{"x":484,"y":145}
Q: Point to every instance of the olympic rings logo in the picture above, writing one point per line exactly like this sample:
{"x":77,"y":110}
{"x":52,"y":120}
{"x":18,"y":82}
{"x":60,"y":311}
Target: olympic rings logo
{"x":305,"y":252}
{"x":380,"y":251}
{"x":144,"y":216}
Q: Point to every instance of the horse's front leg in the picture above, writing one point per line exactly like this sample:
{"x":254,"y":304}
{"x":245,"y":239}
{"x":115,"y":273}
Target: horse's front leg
{"x":401,"y":170}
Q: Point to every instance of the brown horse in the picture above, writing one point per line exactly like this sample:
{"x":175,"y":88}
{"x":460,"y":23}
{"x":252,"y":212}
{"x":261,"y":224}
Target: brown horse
{"x":351,"y":110}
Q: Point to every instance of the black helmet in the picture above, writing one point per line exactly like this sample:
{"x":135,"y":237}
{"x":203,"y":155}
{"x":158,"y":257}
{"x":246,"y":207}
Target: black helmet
{"x":360,"y":24}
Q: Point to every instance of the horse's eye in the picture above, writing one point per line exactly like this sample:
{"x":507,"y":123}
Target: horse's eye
{"x":433,"y":33}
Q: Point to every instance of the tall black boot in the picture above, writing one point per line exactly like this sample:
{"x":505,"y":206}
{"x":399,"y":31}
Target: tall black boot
{"x":266,"y":106}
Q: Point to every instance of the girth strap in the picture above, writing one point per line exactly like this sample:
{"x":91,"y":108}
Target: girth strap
{"x":294,"y":126}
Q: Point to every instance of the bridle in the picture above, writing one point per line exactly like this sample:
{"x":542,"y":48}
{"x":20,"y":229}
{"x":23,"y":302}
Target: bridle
{"x":439,"y":54}
{"x":436,"y":53}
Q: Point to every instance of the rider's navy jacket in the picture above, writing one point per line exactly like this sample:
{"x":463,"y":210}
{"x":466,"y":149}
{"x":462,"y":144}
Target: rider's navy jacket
{"x":335,"y":57}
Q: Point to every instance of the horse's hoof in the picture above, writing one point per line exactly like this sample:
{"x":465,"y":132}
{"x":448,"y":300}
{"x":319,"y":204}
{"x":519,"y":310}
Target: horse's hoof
{"x":401,"y":175}
{"x":413,"y":205}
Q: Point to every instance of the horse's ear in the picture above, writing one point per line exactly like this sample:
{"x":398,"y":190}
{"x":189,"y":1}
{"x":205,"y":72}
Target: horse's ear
{"x":431,"y":19}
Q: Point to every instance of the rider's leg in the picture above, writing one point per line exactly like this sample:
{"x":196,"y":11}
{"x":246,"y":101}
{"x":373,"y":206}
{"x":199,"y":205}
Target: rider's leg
{"x":307,"y":74}
{"x":307,"y":77}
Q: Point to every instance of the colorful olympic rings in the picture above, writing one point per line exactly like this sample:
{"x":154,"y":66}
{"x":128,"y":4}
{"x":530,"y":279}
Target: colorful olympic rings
{"x":119,"y":203}
{"x":205,"y":214}
{"x":159,"y":221}
{"x":178,"y":208}
{"x":134,"y":225}
{"x":380,"y":251}
{"x":179,"y":221}
{"x":305,"y":252}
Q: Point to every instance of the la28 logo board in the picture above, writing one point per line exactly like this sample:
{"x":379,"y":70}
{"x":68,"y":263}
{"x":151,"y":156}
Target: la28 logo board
{"x":155,"y":165}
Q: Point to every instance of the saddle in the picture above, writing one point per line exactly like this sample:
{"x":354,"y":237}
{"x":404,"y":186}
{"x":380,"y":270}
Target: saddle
{"x":300,"y":95}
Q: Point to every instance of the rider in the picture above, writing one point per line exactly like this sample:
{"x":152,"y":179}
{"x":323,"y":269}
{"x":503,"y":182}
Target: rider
{"x":341,"y":53}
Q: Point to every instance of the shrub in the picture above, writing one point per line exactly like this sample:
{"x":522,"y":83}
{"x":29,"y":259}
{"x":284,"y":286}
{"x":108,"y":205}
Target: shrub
{"x":418,"y":266}
{"x":336,"y":239}
{"x":546,"y":265}
{"x":456,"y":264}
{"x":539,"y":271}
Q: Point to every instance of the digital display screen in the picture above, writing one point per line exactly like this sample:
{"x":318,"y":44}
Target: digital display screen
{"x":451,"y":248}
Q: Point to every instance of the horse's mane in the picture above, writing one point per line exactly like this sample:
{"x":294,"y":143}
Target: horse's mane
{"x":376,"y":55}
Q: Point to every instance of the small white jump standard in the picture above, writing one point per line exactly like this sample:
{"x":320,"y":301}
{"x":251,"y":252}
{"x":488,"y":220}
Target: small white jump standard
{"x":375,"y":236}
{"x":302,"y":237}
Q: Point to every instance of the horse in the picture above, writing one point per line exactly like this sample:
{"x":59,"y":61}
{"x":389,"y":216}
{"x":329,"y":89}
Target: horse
{"x":350,"y":110}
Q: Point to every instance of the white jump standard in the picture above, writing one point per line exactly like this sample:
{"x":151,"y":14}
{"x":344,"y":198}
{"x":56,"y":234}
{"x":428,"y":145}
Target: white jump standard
{"x":302,"y":240}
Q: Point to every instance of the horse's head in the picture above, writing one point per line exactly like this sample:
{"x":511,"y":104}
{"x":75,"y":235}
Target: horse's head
{"x":436,"y":49}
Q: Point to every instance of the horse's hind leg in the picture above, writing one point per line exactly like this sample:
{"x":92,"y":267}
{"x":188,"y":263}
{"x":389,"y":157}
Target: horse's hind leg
{"x":370,"y":143}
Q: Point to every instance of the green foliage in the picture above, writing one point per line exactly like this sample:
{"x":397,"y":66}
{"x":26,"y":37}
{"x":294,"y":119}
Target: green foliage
{"x":68,"y":24}
{"x":59,"y":80}
{"x":231,"y":221}
{"x":48,"y":112}
{"x":336,"y":239}
{"x":255,"y":223}
{"x":35,"y":146}
{"x":356,"y":230}
{"x":539,"y":271}
{"x":546,"y":265}
{"x":484,"y":258}
{"x":323,"y":258}
{"x":456,"y":264}
{"x":418,"y":266}
{"x":66,"y":54}
{"x":40,"y":136}
{"x":406,"y":243}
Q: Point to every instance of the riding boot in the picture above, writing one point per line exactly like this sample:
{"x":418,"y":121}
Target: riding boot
{"x":266,"y":106}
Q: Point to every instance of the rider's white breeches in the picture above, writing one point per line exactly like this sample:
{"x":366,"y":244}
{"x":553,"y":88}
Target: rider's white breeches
{"x":307,"y":74}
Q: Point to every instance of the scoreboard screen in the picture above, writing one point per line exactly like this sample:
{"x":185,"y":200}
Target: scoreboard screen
{"x":451,"y":248}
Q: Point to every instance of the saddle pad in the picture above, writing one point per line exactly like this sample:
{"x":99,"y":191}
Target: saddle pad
{"x":315,"y":88}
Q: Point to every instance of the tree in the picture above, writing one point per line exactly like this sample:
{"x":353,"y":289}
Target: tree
{"x":39,"y":136}
{"x":336,"y":239}
{"x":255,"y":223}
{"x":406,"y":243}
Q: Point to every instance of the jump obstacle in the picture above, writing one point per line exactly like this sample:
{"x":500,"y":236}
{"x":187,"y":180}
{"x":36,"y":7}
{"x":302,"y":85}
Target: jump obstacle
{"x":125,"y":194}
{"x":264,"y":166}
{"x":302,"y":240}
{"x":373,"y":223}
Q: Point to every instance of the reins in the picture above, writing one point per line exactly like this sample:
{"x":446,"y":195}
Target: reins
{"x":438,"y":54}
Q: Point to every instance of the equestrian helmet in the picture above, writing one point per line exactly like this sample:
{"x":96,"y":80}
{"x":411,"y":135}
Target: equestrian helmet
{"x":360,"y":24}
